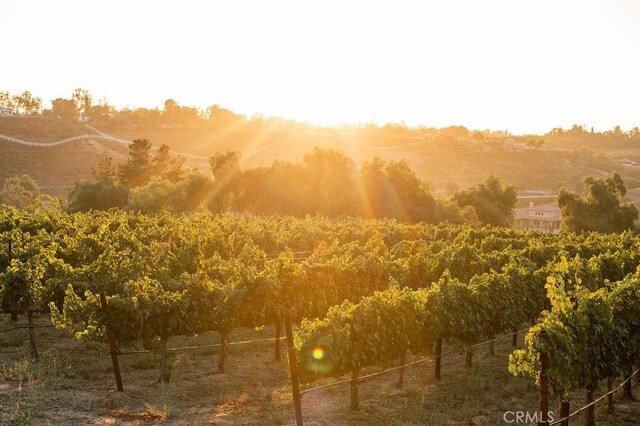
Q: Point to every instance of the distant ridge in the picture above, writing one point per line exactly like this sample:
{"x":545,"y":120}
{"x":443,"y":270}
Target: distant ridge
{"x":98,"y":135}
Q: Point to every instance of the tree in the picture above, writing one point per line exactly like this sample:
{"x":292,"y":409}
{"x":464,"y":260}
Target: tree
{"x":535,"y":144}
{"x":225,"y":169}
{"x":102,"y":194}
{"x":373,"y":182}
{"x":136,"y":170}
{"x":412,"y":200}
{"x":192,"y":191}
{"x":455,"y":131}
{"x":101,"y":112}
{"x":20,"y":191}
{"x":82,"y":100}
{"x":23,"y":283}
{"x":145,"y":117}
{"x":602,"y":209}
{"x":104,"y":170}
{"x":330,"y":182}
{"x":98,"y":195}
{"x":27,"y":104}
{"x":449,"y":211}
{"x":6,"y":100}
{"x":493,"y":201}
{"x":167,"y":166}
{"x":393,"y":190}
{"x":64,"y":109}
{"x":222,"y":118}
{"x":277,"y":189}
{"x":154,"y":197}
{"x":175,"y":114}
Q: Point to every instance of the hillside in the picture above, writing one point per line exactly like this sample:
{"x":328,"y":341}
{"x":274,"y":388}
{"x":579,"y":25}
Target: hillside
{"x":56,"y":168}
{"x":443,"y":162}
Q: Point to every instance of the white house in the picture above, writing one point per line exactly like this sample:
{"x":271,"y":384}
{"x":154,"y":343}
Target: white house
{"x":543,"y":217}
{"x":4,"y":111}
{"x":81,"y":117}
{"x":510,"y":144}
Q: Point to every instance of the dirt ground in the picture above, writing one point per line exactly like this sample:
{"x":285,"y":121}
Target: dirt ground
{"x":73,"y":384}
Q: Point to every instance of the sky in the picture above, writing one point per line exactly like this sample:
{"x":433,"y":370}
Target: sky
{"x":522,"y":66}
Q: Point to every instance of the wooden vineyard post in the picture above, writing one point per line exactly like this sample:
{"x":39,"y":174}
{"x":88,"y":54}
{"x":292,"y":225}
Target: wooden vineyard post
{"x":222,"y":355}
{"x":277,"y":342}
{"x":564,"y":411}
{"x":438,"y":358}
{"x":293,"y":369}
{"x":32,"y":336}
{"x":544,"y":384}
{"x":112,"y":345}
{"x":491,"y":345}
{"x":468,"y":358}
{"x":355,"y":401}
{"x":590,"y":413}
{"x":628,"y":390}
{"x":610,"y":403}
{"x":403,"y":360}
{"x":14,"y":313}
{"x":514,"y":338}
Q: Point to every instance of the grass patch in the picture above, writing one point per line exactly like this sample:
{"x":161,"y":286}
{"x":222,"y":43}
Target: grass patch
{"x":12,"y":339}
{"x":24,"y":413}
{"x":150,"y":413}
{"x":146,"y":361}
{"x":20,"y":371}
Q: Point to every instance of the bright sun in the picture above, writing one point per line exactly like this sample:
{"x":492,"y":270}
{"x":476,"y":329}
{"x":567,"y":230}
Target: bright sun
{"x":493,"y":64}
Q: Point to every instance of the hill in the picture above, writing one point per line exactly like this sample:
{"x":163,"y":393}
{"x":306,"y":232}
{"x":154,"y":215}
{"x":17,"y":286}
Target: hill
{"x":444,"y":161}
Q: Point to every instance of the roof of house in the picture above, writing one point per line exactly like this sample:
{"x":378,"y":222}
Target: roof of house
{"x":551,"y":210}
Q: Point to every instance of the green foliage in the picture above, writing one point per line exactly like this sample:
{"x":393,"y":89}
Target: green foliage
{"x":602,"y":209}
{"x":493,"y":201}
{"x":449,"y":211}
{"x":141,"y":167}
{"x":393,"y":190}
{"x":378,"y":329}
{"x":21,"y":192}
{"x":97,"y":195}
{"x":154,"y":197}
{"x":32,"y":262}
{"x":378,"y":287}
{"x":161,"y":195}
{"x":65,"y":109}
{"x":225,"y":169}
{"x":27,"y":104}
{"x":591,"y":334}
{"x":327,"y":183}
{"x":137,"y":170}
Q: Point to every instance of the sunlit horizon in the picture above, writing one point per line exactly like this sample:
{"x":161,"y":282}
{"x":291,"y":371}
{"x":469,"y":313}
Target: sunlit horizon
{"x":525,"y":68}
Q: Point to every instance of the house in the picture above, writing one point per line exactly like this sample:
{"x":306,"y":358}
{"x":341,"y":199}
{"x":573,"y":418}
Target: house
{"x":510,"y":144}
{"x":4,"y":111}
{"x":627,"y":163}
{"x":82,"y":117}
{"x":542,"y":217}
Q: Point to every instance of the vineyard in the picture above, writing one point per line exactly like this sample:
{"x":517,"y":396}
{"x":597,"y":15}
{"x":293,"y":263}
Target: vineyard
{"x":356,"y":299}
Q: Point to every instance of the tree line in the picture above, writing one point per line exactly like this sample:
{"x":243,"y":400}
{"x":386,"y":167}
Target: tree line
{"x":81,"y":102}
{"x":325,"y":182}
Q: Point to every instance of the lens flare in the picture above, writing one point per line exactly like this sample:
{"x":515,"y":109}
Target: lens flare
{"x":318,"y":353}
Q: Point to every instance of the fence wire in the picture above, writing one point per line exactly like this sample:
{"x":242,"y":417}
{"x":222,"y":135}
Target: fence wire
{"x":189,"y":348}
{"x":26,"y":326}
{"x":575,"y":413}
{"x":378,"y":373}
